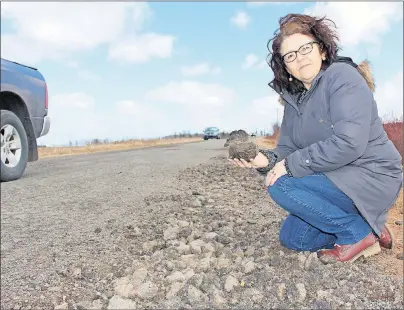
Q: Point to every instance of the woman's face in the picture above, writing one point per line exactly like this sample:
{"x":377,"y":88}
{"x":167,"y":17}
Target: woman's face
{"x":302,"y":57}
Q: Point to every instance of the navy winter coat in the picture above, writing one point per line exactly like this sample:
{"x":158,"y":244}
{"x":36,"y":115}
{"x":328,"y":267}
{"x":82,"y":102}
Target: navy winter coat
{"x":336,"y":130}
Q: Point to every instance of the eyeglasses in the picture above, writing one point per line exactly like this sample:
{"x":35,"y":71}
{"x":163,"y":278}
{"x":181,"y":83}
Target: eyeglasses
{"x":303,"y":50}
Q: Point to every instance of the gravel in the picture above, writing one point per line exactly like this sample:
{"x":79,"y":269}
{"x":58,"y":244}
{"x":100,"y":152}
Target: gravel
{"x":210,"y":241}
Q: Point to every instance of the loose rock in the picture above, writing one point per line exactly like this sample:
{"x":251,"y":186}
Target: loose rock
{"x":249,"y":267}
{"x":176,"y":276}
{"x":231,"y":282}
{"x":281,"y":291}
{"x":119,"y":303}
{"x":147,"y":290}
{"x":171,"y":233}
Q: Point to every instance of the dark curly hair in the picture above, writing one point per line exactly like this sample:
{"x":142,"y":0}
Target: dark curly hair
{"x":318,"y":28}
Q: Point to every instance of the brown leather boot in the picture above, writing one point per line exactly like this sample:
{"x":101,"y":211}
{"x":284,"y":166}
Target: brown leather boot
{"x":386,"y":239}
{"x":368,"y":246}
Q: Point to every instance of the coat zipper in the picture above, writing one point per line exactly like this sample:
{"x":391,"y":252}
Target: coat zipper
{"x":306,"y":96}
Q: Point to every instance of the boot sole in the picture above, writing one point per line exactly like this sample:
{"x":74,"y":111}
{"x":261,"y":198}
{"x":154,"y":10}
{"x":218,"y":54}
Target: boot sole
{"x":370,"y":251}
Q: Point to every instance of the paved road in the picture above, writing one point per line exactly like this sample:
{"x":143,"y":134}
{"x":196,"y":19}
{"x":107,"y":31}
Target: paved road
{"x":49,"y":216}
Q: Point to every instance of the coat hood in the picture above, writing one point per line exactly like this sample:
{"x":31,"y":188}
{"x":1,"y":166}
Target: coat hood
{"x":366,"y":71}
{"x":363,"y":68}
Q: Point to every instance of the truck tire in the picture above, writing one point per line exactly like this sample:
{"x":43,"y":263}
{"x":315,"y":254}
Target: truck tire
{"x":14,"y":147}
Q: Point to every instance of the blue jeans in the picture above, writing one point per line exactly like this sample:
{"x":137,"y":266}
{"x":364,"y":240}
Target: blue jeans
{"x":321,"y":215}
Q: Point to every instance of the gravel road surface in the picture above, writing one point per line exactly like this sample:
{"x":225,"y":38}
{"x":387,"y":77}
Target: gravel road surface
{"x":173,"y":227}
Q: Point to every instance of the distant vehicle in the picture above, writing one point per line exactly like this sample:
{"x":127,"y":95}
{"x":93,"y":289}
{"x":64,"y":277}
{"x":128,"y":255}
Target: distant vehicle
{"x":24,"y":117}
{"x":211,"y":132}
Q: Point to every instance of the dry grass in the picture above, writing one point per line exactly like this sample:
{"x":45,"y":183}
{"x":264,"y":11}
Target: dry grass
{"x":127,"y":145}
{"x":396,"y":214}
{"x":389,"y":261}
{"x":394,"y":129}
{"x":266,"y":142}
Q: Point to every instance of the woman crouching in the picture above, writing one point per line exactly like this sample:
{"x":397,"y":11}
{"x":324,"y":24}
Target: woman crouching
{"x":334,"y":169}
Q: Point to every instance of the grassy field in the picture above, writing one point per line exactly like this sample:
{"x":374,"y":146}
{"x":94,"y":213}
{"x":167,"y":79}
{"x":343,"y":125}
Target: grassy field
{"x":113,"y":146}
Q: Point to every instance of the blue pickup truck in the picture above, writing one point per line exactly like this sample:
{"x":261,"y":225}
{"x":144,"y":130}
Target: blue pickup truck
{"x":24,"y":117}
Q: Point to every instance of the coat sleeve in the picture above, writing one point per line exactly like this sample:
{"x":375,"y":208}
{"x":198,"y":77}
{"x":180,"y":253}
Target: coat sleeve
{"x":285,"y":145}
{"x":350,"y":110}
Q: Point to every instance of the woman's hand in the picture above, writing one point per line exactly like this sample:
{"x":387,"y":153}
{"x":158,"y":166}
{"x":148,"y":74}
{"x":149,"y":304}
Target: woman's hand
{"x":277,"y":171}
{"x":260,"y":161}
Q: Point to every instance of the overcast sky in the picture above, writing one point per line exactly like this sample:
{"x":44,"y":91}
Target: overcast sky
{"x":125,"y":70}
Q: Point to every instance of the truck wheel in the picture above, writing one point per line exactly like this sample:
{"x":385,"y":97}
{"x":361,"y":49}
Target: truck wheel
{"x":14,"y":147}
